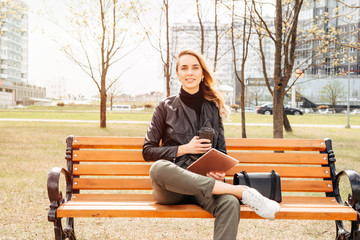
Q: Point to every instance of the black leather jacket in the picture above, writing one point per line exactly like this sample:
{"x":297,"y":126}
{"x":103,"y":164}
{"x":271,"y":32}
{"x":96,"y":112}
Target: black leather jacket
{"x":175,"y":124}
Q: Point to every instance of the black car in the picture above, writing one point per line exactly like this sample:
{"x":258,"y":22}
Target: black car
{"x":267,"y":109}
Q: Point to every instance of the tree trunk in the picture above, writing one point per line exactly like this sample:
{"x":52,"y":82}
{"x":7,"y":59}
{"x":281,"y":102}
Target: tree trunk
{"x":242,"y":107}
{"x":287,"y":125}
{"x":278,"y":95}
{"x":216,"y":37}
{"x":202,"y":37}
{"x":166,"y":3}
{"x":103,"y":108}
{"x":278,"y":113}
{"x":239,"y":78}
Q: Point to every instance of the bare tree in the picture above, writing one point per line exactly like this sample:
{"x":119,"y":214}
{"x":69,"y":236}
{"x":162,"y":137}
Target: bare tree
{"x":216,"y":34}
{"x":246,"y":35}
{"x":114,"y":91}
{"x":202,"y":35}
{"x":284,"y":38}
{"x":167,"y":64}
{"x":155,"y":35}
{"x":347,"y":5}
{"x":256,"y":93}
{"x":332,"y":92}
{"x":100,"y":31}
{"x":219,"y":32}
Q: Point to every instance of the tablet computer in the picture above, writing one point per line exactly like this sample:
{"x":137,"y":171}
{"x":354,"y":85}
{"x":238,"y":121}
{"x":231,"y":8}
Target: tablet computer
{"x":212,"y":161}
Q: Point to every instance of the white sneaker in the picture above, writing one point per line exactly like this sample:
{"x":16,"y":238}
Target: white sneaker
{"x":262,"y":206}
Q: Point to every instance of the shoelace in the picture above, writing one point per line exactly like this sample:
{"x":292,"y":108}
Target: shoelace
{"x":257,"y":201}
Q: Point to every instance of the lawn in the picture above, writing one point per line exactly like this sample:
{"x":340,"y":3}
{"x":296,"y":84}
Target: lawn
{"x":145,"y":115}
{"x":30,"y":149}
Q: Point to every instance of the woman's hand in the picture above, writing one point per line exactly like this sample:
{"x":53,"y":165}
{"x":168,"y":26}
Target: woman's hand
{"x":220,"y":176}
{"x":195,"y":146}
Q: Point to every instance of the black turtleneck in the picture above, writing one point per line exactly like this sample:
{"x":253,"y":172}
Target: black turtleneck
{"x":193,"y":101}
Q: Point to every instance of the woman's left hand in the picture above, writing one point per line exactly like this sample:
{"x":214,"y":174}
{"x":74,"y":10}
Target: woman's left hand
{"x":220,"y":176}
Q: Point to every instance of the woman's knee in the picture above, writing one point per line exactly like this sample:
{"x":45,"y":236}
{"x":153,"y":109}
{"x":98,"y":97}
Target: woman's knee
{"x":157,"y":167}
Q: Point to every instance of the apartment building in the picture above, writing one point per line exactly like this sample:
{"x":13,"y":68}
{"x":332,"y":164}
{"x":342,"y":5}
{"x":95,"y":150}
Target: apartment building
{"x":14,"y":87}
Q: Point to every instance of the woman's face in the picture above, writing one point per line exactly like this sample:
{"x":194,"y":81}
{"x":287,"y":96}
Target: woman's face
{"x":190,"y":73}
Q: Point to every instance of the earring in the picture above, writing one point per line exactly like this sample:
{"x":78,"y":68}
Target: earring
{"x":202,"y":79}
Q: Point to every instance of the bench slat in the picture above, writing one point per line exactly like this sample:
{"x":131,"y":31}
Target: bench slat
{"x":144,"y":184}
{"x":231,"y":143}
{"x":150,"y":209}
{"x":275,"y":144}
{"x":130,"y":203}
{"x":119,"y":197}
{"x":280,"y":158}
{"x":107,"y":156}
{"x":285,"y":172}
{"x":108,"y":142}
{"x":112,"y":197}
{"x":143,"y":170}
{"x":243,"y":157}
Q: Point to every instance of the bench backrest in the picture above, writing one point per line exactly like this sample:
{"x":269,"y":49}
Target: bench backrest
{"x":116,"y":163}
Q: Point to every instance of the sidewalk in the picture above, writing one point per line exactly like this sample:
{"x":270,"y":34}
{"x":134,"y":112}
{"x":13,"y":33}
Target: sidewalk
{"x":146,"y":122}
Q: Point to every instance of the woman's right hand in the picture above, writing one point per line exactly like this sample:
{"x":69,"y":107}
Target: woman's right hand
{"x":195,"y":146}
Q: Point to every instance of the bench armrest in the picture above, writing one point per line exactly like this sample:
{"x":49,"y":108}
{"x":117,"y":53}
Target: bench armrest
{"x":354,"y":178}
{"x":55,"y":195}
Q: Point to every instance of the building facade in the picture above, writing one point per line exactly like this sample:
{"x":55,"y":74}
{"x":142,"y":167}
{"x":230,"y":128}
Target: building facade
{"x":14,"y":43}
{"x":327,"y":30}
{"x":14,"y":87}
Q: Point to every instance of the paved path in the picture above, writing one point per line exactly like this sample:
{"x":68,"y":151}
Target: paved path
{"x":146,"y":122}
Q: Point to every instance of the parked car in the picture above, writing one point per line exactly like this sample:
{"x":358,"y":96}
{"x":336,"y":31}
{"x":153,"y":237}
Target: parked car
{"x":267,"y":109}
{"x":355,"y":111}
{"x":119,"y":107}
{"x":250,"y":109}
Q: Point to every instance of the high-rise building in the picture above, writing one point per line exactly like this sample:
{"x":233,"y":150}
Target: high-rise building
{"x":326,"y":30}
{"x":14,"y":43}
{"x":329,"y":22}
{"x":14,"y":87}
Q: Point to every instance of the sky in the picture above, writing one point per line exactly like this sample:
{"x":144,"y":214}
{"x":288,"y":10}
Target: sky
{"x":46,"y":61}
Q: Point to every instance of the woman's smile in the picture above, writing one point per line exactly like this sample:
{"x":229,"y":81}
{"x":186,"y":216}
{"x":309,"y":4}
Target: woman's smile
{"x":190,"y":73}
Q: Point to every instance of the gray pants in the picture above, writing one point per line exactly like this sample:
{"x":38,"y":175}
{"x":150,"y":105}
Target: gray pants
{"x":175,"y":185}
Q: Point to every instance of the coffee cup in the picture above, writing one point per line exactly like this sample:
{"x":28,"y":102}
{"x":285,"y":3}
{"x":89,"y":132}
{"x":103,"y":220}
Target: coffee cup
{"x":206,"y":133}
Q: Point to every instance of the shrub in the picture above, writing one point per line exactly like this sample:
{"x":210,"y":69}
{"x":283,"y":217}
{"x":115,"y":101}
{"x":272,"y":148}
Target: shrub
{"x":60,"y":104}
{"x":148,"y":105}
{"x":323,"y":107}
{"x":235,"y":107}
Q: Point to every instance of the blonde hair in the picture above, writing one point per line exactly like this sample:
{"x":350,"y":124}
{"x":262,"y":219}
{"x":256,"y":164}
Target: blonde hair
{"x":207,"y":86}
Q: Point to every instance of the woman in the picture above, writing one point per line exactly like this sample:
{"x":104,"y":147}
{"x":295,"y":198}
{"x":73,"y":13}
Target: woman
{"x":175,"y":124}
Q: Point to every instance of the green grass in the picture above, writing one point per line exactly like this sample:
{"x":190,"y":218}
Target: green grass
{"x":331,"y":119}
{"x":145,"y":115}
{"x":71,"y":115}
{"x":30,"y":149}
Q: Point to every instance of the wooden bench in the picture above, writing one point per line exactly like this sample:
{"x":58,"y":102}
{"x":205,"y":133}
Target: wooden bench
{"x":104,"y":176}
